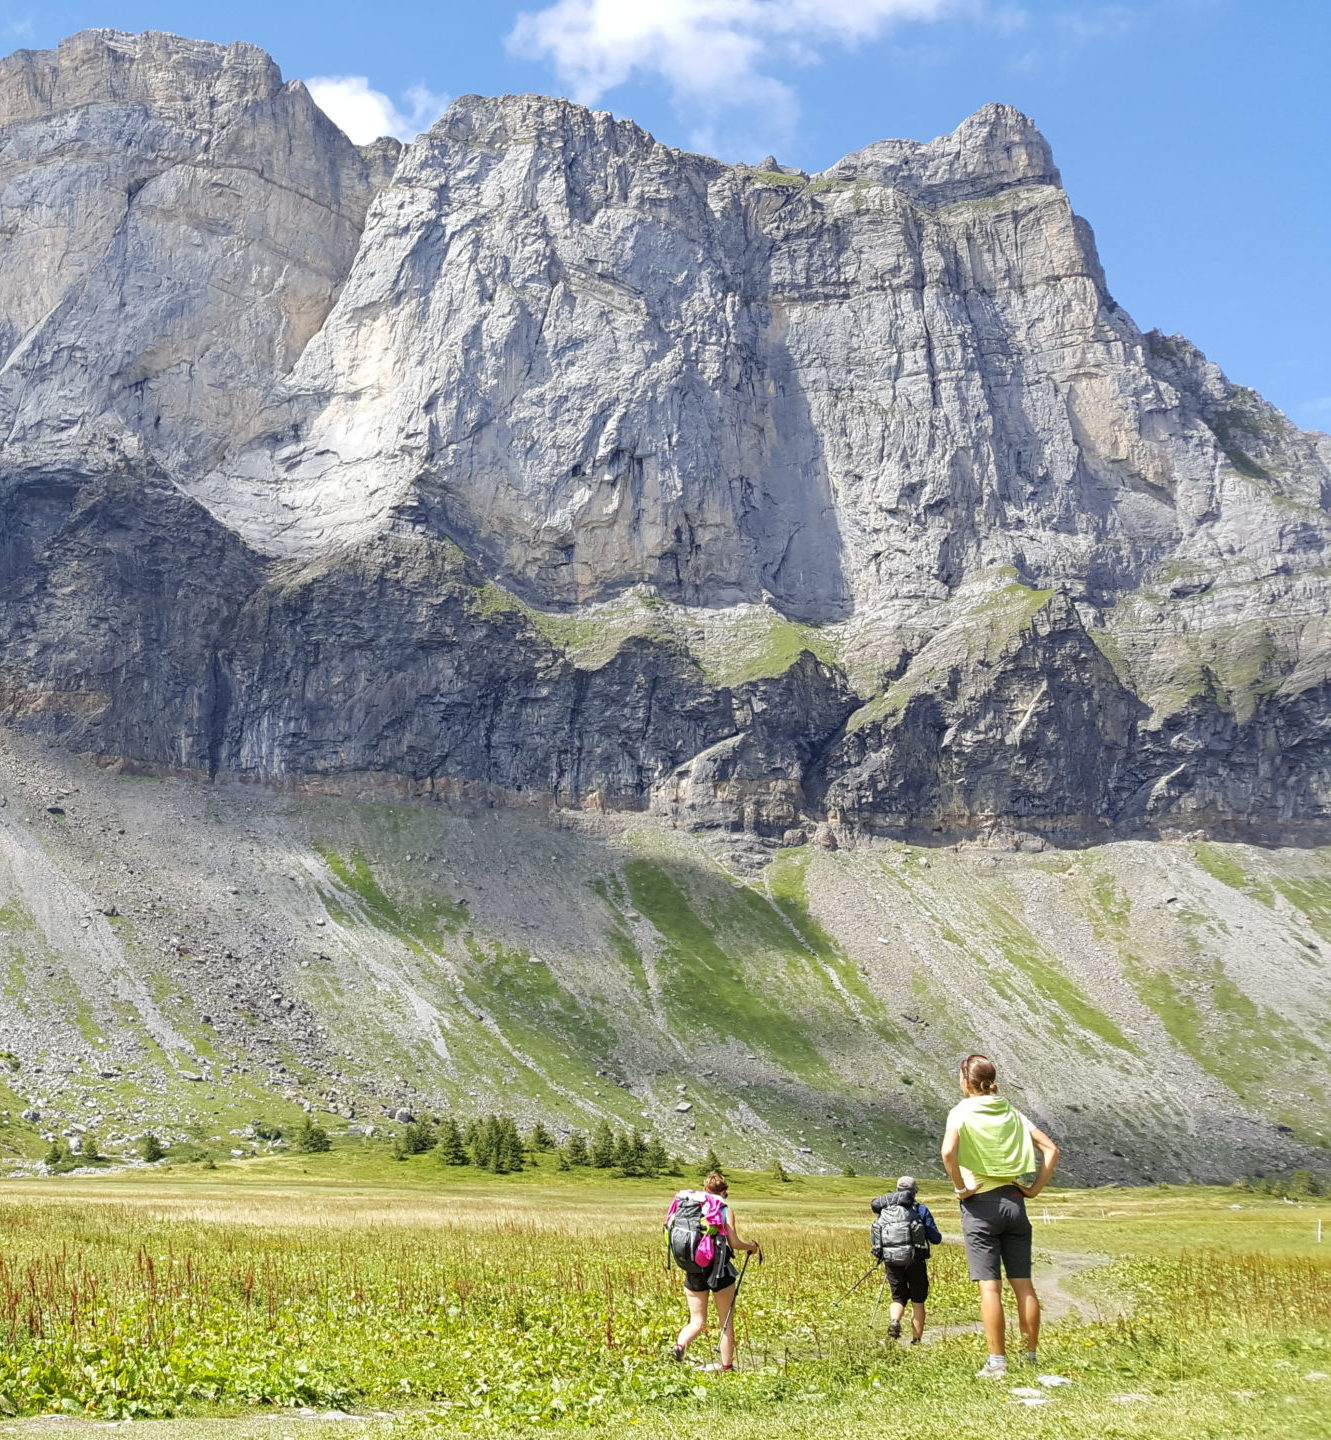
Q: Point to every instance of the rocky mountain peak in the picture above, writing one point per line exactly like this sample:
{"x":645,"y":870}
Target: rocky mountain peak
{"x":993,"y":150}
{"x":502,"y":120}
{"x":543,"y":457}
{"x":178,"y":221}
{"x":186,"y":80}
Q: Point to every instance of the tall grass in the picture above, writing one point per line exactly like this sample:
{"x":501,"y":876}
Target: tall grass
{"x":528,"y":1316}
{"x":106,"y":1310}
{"x":1209,"y":1287}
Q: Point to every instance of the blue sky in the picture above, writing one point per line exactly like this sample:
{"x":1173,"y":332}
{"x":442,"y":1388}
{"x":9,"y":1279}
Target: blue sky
{"x":1195,"y":135}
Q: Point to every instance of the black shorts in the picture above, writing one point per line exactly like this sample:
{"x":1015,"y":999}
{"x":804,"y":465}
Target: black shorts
{"x":909,"y":1282}
{"x":997,"y":1235}
{"x":707,"y":1281}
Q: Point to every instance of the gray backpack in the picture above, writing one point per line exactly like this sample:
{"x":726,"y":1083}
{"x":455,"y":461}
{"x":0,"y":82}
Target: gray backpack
{"x":897,"y":1236}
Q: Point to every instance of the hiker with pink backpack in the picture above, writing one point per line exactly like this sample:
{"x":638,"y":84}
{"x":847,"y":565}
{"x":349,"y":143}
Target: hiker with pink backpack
{"x":700,"y":1229}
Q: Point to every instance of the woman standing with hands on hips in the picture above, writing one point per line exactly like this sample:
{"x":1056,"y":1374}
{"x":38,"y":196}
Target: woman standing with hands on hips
{"x":989,"y":1152}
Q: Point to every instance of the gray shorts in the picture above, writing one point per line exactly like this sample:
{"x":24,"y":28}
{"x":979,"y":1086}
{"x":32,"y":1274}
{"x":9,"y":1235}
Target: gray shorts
{"x":997,"y":1235}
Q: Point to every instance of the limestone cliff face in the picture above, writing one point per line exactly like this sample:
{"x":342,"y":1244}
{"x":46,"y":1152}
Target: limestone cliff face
{"x":599,"y":362}
{"x":176,"y":223}
{"x":483,"y":465}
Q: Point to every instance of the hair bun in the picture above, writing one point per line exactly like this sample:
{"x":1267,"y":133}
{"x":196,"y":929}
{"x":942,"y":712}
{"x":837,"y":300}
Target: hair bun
{"x":980,"y":1074}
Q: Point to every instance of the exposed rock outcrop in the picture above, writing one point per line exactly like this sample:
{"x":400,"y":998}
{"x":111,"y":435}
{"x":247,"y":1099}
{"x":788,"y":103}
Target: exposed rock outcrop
{"x":177,"y":222}
{"x":321,"y":462}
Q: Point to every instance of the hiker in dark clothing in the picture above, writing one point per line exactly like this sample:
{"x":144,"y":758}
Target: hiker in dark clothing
{"x":909,"y":1281}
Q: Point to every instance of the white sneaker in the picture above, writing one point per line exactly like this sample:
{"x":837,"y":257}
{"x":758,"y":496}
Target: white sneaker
{"x":991,"y":1371}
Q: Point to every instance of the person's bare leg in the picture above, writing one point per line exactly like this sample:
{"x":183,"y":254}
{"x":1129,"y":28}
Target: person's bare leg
{"x":725,"y":1301}
{"x":992,"y":1317}
{"x":894,"y":1314}
{"x":697,"y":1318}
{"x":917,"y":1320}
{"x":1028,"y":1313}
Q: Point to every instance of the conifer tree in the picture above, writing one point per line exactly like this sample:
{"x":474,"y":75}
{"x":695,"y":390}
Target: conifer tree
{"x":604,"y":1147}
{"x":450,"y":1147}
{"x":656,"y":1161}
{"x":576,"y":1150}
{"x":506,"y":1154}
{"x":633,"y":1152}
{"x":498,"y":1145}
{"x":779,"y":1173}
{"x":417,"y":1137}
{"x":311,"y":1138}
{"x":517,"y":1154}
{"x":711,"y":1163}
{"x":540,"y":1140}
{"x":480,"y":1140}
{"x":150,"y":1149}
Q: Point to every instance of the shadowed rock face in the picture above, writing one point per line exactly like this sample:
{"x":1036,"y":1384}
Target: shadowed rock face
{"x":320,"y":460}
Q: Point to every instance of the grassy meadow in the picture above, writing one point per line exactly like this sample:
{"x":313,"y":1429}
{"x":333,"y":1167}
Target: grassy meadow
{"x":433,"y":1301}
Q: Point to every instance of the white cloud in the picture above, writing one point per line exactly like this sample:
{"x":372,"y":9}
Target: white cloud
{"x":714,"y":55}
{"x":364,"y":114}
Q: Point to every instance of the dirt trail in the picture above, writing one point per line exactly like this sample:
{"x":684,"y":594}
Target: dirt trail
{"x":1057,"y":1301}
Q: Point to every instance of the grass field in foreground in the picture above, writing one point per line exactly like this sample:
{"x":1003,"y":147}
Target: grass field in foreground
{"x":449,"y":1303}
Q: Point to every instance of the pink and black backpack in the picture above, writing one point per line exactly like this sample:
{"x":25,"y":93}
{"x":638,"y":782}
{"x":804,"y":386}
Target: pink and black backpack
{"x":695,"y":1227}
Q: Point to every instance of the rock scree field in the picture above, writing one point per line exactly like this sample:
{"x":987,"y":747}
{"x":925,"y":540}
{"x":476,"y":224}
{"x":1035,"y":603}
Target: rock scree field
{"x":189,"y":959}
{"x":280,"y":1295}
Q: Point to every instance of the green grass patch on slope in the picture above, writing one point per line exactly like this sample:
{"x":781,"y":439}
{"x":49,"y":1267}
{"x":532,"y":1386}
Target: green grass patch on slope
{"x":734,"y":647}
{"x":760,"y":645}
{"x":419,"y":925}
{"x":1311,"y":895}
{"x":1250,"y":1049}
{"x":1020,"y":945}
{"x":711,"y":991}
{"x":527,"y":994}
{"x":787,"y":884}
{"x":990,"y":625}
{"x":1245,"y":1046}
{"x":993,"y":923}
{"x":619,"y":936}
{"x":1222,"y":863}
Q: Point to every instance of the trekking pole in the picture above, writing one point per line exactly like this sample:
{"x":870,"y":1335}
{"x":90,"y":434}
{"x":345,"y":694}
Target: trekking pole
{"x":730,"y":1319}
{"x":878,"y":1299}
{"x":857,"y":1284}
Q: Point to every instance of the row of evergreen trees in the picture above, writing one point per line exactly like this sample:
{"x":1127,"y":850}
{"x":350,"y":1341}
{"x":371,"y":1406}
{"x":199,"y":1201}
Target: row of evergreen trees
{"x":492,"y":1144}
{"x":62,"y":1156}
{"x":1296,"y":1185}
{"x":622,"y":1152}
{"x":495,"y":1144}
